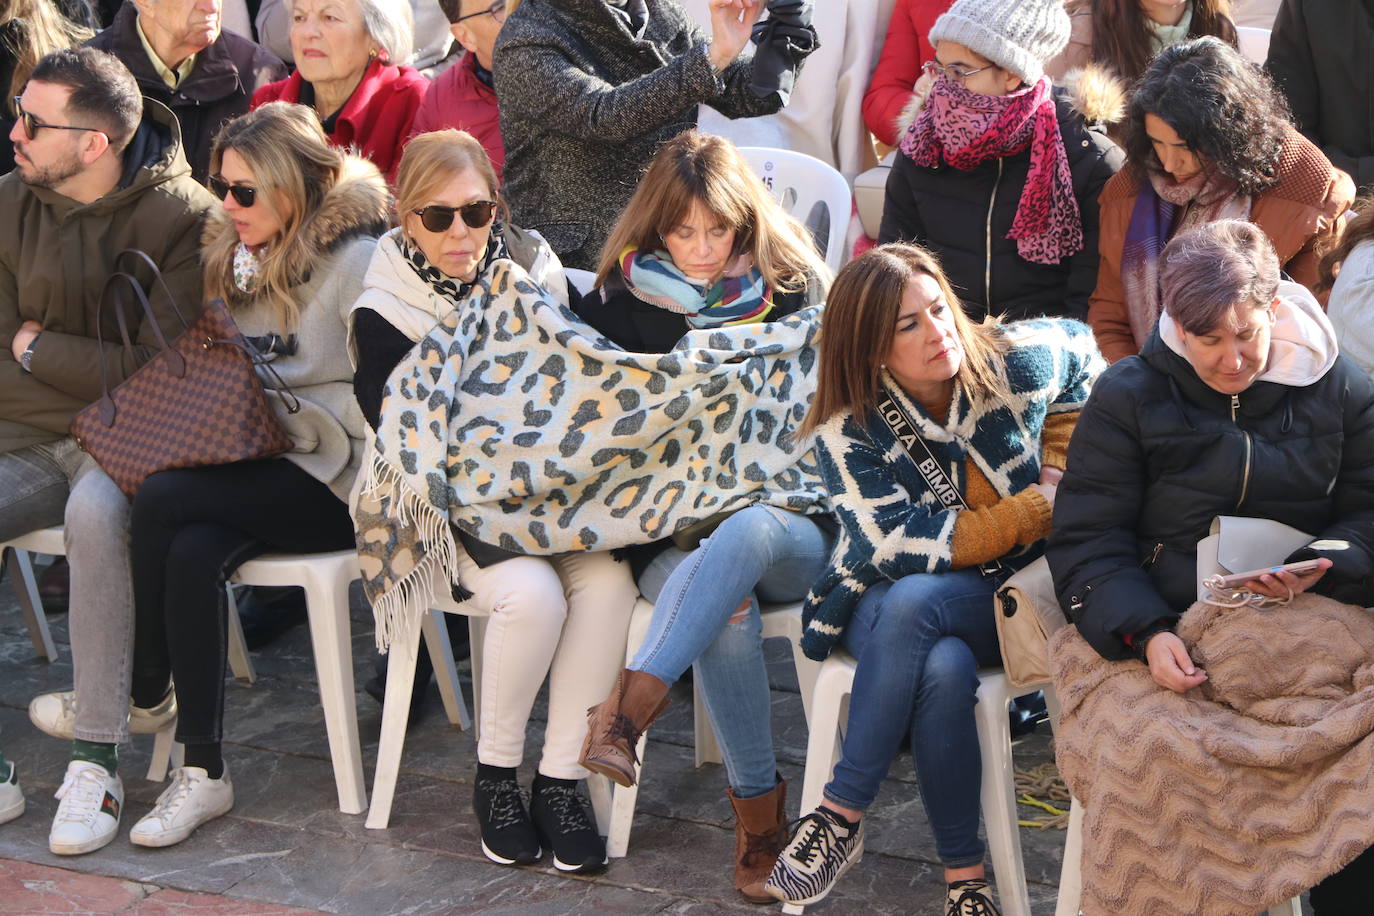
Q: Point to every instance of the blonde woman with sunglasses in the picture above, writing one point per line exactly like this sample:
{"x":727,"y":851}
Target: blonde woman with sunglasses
{"x":565,"y":616}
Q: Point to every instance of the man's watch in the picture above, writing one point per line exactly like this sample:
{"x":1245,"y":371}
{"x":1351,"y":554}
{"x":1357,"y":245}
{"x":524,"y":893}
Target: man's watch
{"x":26,"y":357}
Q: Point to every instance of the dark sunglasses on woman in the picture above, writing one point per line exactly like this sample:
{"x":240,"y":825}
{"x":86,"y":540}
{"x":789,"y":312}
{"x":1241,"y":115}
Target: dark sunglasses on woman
{"x":438,"y":219}
{"x":243,"y":195}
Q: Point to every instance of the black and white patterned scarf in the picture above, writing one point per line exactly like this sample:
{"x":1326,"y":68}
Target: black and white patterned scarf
{"x":452,"y":289}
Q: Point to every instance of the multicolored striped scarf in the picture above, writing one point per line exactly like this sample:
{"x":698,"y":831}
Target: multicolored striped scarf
{"x":963,"y":128}
{"x":741,"y":296}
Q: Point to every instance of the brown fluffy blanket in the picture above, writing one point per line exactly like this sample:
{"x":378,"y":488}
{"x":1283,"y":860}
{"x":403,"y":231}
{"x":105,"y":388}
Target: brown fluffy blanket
{"x":1239,"y":794}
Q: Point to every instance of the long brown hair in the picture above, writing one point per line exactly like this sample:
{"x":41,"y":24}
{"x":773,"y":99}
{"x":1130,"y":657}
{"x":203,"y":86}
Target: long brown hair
{"x":41,"y":29}
{"x":860,"y":320}
{"x":294,"y":167}
{"x":695,"y":167}
{"x":1357,"y":230}
{"x":1121,"y":31}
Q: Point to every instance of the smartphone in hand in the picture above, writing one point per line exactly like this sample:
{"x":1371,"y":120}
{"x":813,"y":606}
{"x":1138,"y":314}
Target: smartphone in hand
{"x":1300,"y":568}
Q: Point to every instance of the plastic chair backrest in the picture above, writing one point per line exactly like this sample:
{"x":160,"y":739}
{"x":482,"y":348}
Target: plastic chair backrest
{"x":811,"y":191}
{"x":582,"y":280}
{"x":1254,"y":43}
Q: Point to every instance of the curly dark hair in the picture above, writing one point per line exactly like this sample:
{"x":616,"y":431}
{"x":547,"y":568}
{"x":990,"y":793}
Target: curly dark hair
{"x":1226,"y":109}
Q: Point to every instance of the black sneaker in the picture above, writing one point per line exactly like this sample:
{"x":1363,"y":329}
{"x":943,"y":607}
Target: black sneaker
{"x":508,"y":837}
{"x":561,"y":819}
{"x":818,"y":855}
{"x":970,"y":898}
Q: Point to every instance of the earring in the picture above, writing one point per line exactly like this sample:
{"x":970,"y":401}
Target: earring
{"x":372,"y":55}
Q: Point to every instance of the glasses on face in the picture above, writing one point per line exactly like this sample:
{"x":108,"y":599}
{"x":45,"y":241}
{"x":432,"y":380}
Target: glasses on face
{"x":953,"y":71}
{"x":474,"y":215}
{"x":244,"y":196}
{"x":497,"y":11}
{"x":32,"y":125}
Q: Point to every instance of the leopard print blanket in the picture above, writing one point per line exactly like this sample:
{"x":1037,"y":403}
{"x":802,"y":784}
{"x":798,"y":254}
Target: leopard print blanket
{"x":519,"y":424}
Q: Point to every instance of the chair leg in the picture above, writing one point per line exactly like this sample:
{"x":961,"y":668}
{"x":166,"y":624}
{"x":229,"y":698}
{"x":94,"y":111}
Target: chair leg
{"x":602,"y":792}
{"x":623,"y":809}
{"x":823,"y":740}
{"x":445,"y":673}
{"x":998,"y":796}
{"x":1070,"y":875}
{"x":1289,"y":908}
{"x":326,"y":602}
{"x":239,"y":661}
{"x":400,"y":679}
{"x":26,"y":590}
{"x":167,"y":753}
{"x":707,"y":749}
{"x":477,"y":635}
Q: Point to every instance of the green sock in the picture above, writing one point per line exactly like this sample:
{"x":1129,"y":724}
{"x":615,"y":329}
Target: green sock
{"x":107,"y":755}
{"x":6,"y":768}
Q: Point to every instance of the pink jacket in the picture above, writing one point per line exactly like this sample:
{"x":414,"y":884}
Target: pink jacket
{"x":458,"y":98}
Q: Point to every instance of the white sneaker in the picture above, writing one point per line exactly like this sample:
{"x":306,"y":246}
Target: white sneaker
{"x":55,"y":714}
{"x":11,"y":796}
{"x":88,"y":816}
{"x":192,"y":799}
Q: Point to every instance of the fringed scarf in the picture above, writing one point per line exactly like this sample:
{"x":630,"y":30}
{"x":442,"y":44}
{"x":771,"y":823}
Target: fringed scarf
{"x":523,"y":427}
{"x":963,"y":129}
{"x":1156,"y":218}
{"x":741,"y":296}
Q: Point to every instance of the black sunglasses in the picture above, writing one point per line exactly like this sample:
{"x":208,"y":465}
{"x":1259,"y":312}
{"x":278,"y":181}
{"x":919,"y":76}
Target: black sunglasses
{"x":32,"y":125}
{"x":497,"y":11}
{"x":243,"y":195}
{"x":438,"y":219}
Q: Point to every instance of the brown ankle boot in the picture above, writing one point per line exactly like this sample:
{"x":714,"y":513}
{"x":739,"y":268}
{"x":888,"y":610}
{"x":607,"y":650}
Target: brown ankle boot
{"x":760,"y":837}
{"x":614,"y":727}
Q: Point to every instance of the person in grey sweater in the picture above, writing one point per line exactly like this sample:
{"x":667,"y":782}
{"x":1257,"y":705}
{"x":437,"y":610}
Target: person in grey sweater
{"x":589,"y":90}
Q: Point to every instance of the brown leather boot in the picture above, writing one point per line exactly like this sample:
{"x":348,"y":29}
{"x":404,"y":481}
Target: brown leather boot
{"x":760,"y":837}
{"x":614,"y":727}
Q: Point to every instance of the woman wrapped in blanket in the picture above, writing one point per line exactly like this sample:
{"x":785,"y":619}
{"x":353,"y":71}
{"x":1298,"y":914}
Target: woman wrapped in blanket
{"x":703,"y":245}
{"x":911,"y":592}
{"x":299,"y":219}
{"x":563,"y":616}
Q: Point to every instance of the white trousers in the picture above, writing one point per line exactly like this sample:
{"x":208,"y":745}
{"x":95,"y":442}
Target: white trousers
{"x":564,"y":616}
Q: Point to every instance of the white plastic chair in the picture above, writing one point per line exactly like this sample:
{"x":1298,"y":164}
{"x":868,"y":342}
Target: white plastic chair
{"x":811,"y":191}
{"x":584,"y":281}
{"x":47,"y":540}
{"x":830,"y":710}
{"x":782,"y":620}
{"x":1254,"y":43}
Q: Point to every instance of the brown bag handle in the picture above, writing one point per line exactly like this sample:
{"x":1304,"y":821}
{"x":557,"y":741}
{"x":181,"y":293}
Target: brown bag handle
{"x":142,"y":256}
{"x":107,"y":405}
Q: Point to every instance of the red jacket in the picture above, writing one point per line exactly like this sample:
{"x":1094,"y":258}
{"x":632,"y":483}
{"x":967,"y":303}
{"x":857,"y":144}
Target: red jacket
{"x":904,"y":50}
{"x":458,"y":98}
{"x":375,"y":119}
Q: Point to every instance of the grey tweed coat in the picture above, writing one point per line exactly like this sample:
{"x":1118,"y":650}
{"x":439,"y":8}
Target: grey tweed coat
{"x":585,"y":104}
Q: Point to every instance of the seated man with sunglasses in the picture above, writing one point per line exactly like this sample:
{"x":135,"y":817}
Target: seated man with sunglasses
{"x":464,"y":96}
{"x":97,"y":170}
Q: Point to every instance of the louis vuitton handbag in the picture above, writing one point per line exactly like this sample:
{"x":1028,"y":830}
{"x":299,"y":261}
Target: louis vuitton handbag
{"x":197,"y":402}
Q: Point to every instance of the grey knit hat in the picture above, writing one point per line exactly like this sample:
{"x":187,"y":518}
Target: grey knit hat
{"x":1016,"y":35}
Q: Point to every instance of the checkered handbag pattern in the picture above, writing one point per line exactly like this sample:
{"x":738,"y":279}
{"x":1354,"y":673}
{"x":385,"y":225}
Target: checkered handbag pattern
{"x":197,"y":402}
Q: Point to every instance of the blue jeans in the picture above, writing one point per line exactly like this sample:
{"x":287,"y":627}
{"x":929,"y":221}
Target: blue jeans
{"x":757,"y":554}
{"x":919,"y":642}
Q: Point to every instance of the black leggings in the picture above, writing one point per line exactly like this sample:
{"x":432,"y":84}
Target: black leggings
{"x":1349,"y":892}
{"x":189,"y":530}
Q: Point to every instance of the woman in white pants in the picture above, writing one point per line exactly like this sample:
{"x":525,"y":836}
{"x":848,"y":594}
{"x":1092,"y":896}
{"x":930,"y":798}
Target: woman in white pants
{"x":566,"y":615}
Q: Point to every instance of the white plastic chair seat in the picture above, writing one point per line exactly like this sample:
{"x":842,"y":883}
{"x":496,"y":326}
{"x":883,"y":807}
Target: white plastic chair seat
{"x":829,"y":711}
{"x":1254,"y":43}
{"x":810,"y":190}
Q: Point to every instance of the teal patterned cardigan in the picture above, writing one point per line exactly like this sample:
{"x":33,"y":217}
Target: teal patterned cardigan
{"x":891,"y":524}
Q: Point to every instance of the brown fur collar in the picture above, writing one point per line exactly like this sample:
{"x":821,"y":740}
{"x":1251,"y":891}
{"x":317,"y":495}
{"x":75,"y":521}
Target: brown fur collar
{"x":1094,"y":92}
{"x":360,"y":204}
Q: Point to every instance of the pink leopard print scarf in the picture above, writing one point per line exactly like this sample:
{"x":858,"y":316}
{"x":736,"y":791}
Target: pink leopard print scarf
{"x":963,"y":129}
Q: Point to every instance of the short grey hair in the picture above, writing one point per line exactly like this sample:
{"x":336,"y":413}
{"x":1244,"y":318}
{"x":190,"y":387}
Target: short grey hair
{"x":392,"y":25}
{"x":1206,"y":271}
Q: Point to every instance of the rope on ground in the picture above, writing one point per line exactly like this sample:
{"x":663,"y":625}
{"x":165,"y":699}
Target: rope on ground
{"x":1040,"y":787}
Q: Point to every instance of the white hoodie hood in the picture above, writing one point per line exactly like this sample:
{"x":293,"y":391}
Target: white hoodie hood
{"x":1302,"y":346}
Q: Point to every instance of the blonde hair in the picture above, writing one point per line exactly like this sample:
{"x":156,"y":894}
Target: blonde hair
{"x":431,"y":160}
{"x":860,"y":321}
{"x":294,"y":167}
{"x":40,"y":29}
{"x":702,"y":168}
